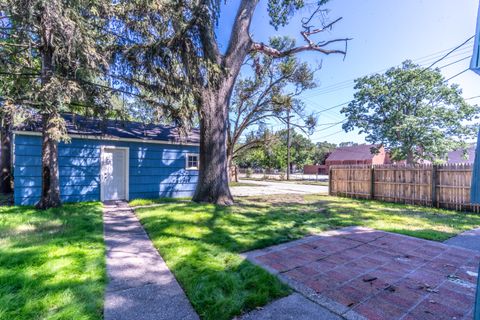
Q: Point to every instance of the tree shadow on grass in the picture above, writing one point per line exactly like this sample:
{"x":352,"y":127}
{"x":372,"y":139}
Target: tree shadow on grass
{"x":201,"y":242}
{"x":52,"y":272}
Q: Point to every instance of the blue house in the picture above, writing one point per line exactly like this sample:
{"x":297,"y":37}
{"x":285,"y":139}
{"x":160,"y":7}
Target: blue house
{"x":109,"y":160}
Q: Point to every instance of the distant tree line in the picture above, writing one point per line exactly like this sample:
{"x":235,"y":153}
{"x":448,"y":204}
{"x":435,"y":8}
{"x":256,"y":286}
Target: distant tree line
{"x":272,"y":154}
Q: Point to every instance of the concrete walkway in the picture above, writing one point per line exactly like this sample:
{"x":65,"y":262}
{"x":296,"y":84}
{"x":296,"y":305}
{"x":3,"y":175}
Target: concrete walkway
{"x":140,"y":285}
{"x":293,"y":307}
{"x":270,"y":188}
{"x":468,"y":240}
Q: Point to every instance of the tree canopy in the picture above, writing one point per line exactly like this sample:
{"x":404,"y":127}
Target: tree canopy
{"x":75,"y":54}
{"x":50,"y":54}
{"x":412,"y":112}
{"x":270,"y":90}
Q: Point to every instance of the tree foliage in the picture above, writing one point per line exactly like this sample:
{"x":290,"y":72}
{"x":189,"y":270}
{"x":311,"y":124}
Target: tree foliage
{"x":412,"y":112}
{"x":272,"y":154}
{"x":50,"y":56}
{"x":169,"y":53}
{"x":270,"y":90}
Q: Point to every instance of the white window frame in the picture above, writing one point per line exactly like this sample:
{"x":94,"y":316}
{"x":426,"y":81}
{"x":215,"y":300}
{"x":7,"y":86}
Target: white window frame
{"x":127,"y":170}
{"x":186,"y":161}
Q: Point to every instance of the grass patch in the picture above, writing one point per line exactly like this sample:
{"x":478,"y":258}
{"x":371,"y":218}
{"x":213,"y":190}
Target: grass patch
{"x":52,"y":263}
{"x":201,"y":242}
{"x":150,"y":202}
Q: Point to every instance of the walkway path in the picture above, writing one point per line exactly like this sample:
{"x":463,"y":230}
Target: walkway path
{"x":269,"y":188}
{"x":140,"y":284}
{"x":468,"y":239}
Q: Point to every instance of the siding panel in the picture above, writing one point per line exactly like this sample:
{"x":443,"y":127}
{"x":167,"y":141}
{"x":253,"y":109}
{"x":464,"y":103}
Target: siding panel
{"x":155,"y":170}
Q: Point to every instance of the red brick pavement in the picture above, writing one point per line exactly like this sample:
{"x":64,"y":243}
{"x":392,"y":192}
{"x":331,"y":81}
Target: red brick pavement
{"x":379,"y":275}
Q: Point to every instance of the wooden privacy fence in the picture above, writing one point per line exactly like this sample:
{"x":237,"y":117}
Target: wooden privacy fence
{"x":442,"y":186}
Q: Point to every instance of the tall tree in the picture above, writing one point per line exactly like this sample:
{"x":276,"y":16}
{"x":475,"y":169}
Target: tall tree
{"x":171,"y":49}
{"x":273,"y":153}
{"x":322,"y":151}
{"x":412,"y":112}
{"x":6,"y":121}
{"x":270,"y":91}
{"x":53,"y":46}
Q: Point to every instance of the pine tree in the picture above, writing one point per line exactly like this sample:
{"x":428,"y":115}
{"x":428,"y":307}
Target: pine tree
{"x":51,"y":52}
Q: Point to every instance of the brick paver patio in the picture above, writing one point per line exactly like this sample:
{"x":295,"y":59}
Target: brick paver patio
{"x":363,"y":273}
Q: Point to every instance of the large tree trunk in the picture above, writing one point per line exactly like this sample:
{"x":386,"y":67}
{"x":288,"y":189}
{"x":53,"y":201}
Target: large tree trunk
{"x":50,"y":196}
{"x":212,"y":183}
{"x":5,"y":159}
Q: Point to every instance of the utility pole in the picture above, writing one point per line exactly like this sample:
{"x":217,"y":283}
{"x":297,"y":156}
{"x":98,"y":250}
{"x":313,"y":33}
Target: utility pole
{"x":288,"y":144}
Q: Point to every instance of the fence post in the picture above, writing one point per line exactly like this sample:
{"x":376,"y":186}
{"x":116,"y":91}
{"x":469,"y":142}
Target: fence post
{"x":372,"y":182}
{"x":330,"y":181}
{"x":434,"y":185}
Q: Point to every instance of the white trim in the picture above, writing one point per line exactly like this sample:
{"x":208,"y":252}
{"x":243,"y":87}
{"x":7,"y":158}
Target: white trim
{"x":186,"y":161}
{"x":88,"y":137}
{"x":127,"y":170}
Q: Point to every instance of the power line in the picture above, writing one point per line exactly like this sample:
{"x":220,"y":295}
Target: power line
{"x":331,"y":126}
{"x":348,"y":83}
{"x":330,"y":108}
{"x":452,"y":63}
{"x":457,"y":75}
{"x":431,"y":65}
{"x":323,"y":137}
{"x":472,"y":98}
{"x":450,"y":52}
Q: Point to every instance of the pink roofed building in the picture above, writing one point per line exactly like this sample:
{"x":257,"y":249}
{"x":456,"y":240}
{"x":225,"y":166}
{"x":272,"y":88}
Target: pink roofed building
{"x":462,"y":156}
{"x":360,"y":154}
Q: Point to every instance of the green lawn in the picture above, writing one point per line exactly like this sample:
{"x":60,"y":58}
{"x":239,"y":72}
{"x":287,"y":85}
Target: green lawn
{"x":52,"y":263}
{"x":201,"y":242}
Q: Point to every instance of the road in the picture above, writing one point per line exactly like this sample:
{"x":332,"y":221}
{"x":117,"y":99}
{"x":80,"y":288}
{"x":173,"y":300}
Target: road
{"x":269,"y":187}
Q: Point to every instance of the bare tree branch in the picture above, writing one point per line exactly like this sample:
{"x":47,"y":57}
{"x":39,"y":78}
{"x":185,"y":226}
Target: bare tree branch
{"x":310,"y":46}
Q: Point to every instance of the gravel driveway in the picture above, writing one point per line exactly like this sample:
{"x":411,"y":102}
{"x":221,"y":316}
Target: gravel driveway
{"x":268,"y":187}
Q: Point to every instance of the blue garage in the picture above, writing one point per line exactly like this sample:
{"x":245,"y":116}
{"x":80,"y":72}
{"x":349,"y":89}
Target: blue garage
{"x":109,"y":160}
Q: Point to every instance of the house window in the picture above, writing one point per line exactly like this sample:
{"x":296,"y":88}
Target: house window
{"x":192,"y":161}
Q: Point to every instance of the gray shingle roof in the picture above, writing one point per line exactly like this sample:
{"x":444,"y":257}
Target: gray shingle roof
{"x":81,"y":125}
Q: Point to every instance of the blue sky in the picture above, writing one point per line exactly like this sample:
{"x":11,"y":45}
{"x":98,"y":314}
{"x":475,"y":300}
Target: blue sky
{"x":385,"y":33}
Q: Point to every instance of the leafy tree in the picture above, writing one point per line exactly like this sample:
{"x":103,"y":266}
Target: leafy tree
{"x":170,"y":52}
{"x":347,"y":144}
{"x":273,"y":153}
{"x":301,"y":148}
{"x":322,"y":151}
{"x":412,"y":112}
{"x":50,"y":54}
{"x":271,"y":92}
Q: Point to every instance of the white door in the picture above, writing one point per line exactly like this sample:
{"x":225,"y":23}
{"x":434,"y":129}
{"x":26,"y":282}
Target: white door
{"x":114,"y":173}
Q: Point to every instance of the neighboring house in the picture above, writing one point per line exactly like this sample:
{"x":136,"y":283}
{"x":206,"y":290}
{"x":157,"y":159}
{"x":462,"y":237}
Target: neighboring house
{"x":315,"y":169}
{"x":359,"y":154}
{"x":124,"y":160}
{"x":462,"y":156}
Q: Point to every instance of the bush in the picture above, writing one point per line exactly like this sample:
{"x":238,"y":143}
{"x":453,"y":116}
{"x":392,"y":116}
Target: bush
{"x":249,"y":172}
